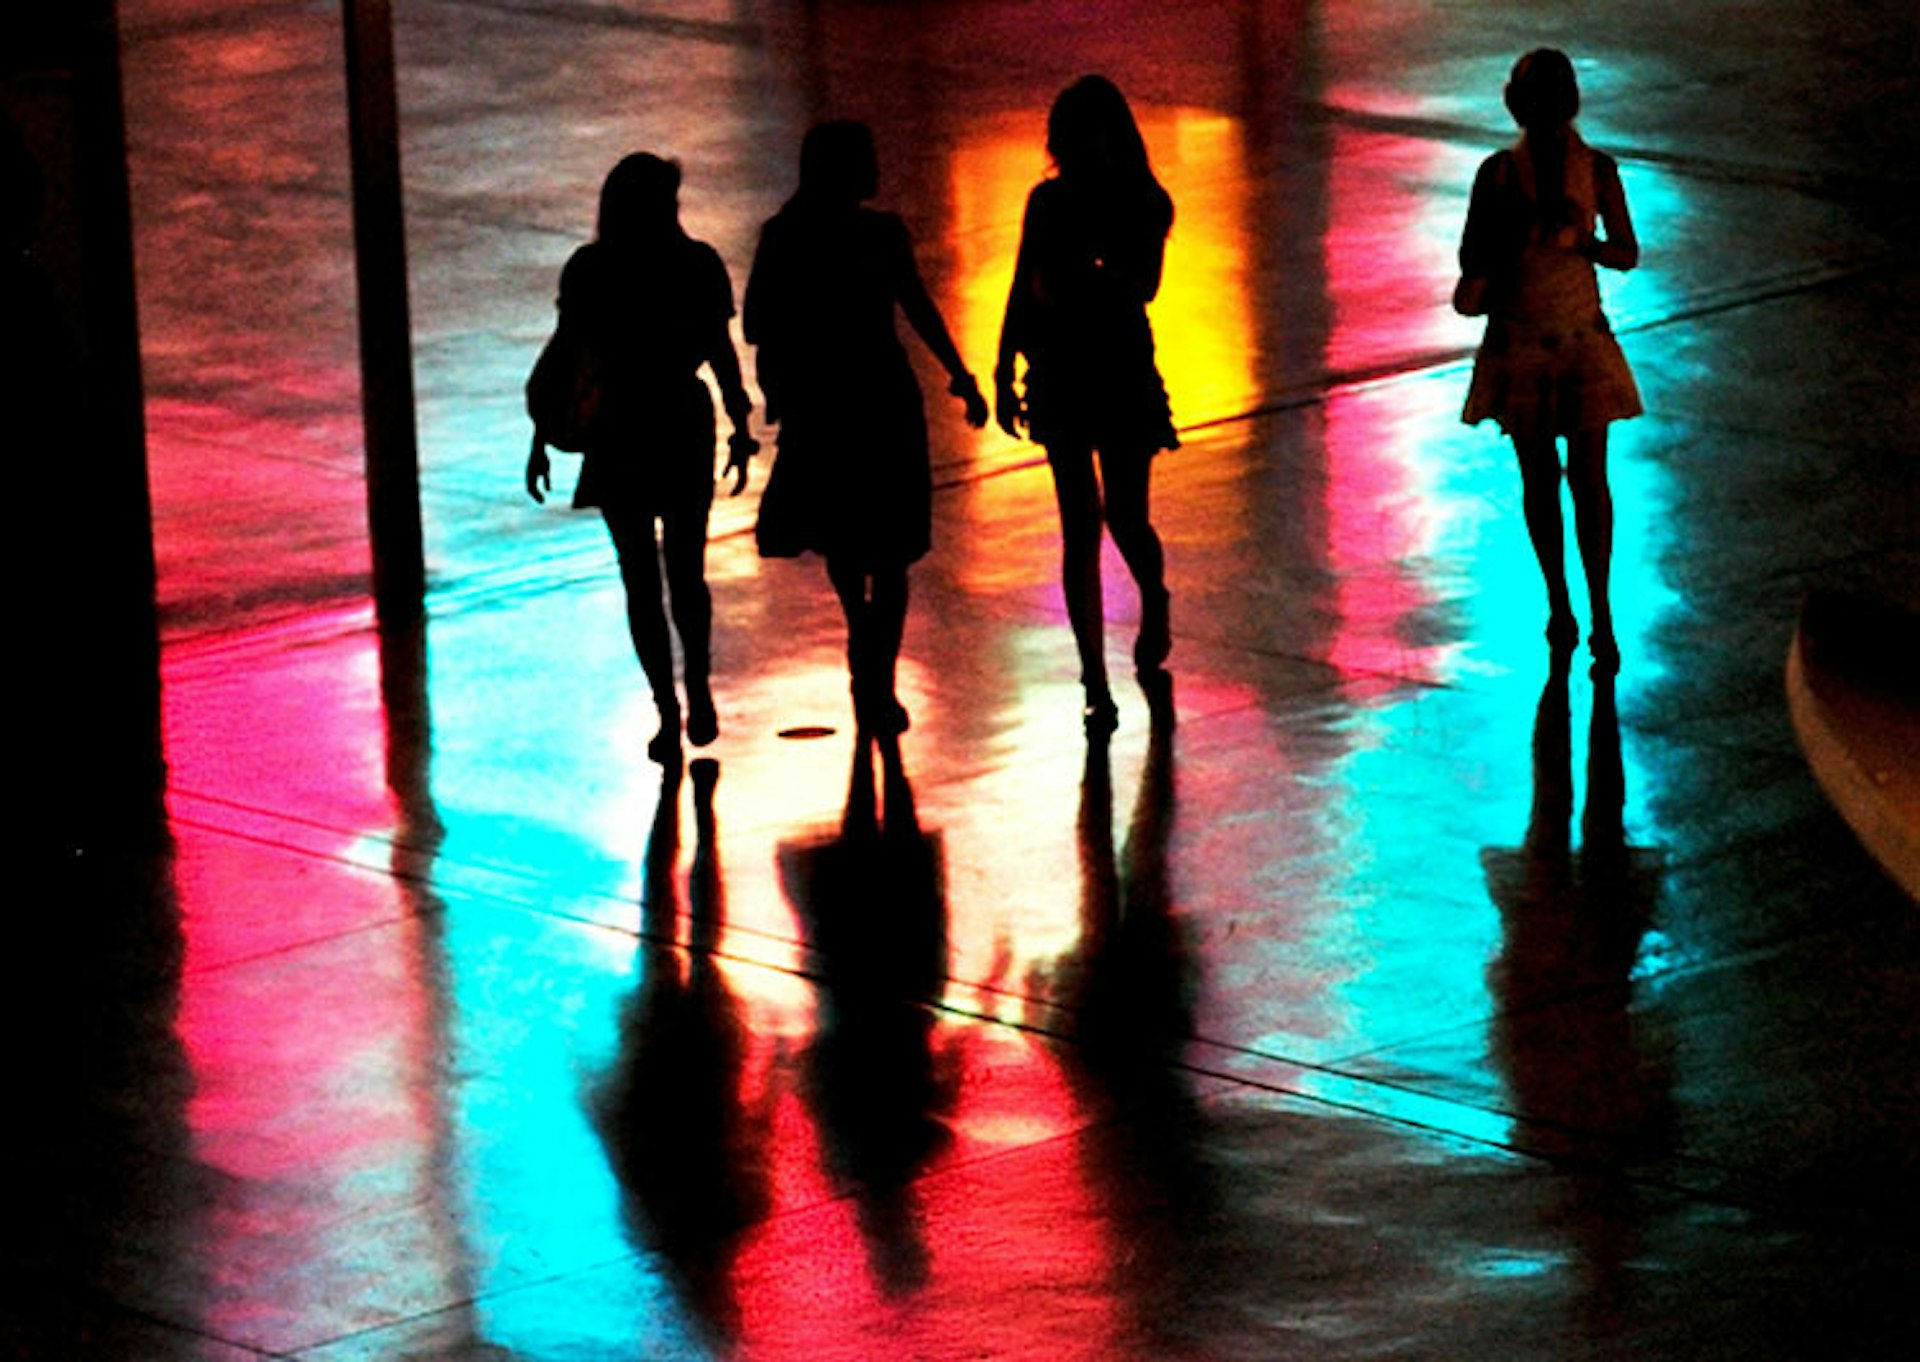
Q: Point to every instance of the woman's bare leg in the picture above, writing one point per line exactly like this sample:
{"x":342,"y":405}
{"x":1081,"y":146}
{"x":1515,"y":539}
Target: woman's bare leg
{"x":1540,"y":499}
{"x":638,"y":552}
{"x":850,"y":585}
{"x":1078,"y":495}
{"x":684,"y":547}
{"x":875,"y":604}
{"x":1126,"y":481}
{"x":1593,"y":529}
{"x":886,"y":625}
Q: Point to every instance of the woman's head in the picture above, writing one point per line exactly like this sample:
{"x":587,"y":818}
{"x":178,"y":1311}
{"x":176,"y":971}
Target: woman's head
{"x":837,"y":162}
{"x":1091,"y":131}
{"x":641,"y":199}
{"x":1542,"y":92}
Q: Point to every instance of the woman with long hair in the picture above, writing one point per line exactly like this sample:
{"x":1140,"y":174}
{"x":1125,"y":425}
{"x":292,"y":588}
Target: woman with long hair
{"x":852,"y":481}
{"x":1549,"y":367}
{"x":652,"y":306}
{"x":1091,"y":250}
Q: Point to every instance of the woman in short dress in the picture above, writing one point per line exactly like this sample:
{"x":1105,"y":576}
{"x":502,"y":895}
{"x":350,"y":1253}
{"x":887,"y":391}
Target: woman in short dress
{"x":652,"y":304}
{"x":852,"y":481}
{"x":1549,"y":367}
{"x":1091,"y":249}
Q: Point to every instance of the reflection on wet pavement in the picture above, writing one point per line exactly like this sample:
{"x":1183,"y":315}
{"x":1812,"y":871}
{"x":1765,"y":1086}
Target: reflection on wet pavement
{"x":1413,"y":997}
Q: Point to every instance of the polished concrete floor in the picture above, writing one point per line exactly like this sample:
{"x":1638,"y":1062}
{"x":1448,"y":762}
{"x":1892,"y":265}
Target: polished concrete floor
{"x":1409,"y":999}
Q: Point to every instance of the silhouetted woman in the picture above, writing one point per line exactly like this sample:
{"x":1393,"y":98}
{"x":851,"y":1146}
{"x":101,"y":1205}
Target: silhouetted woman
{"x":1090,"y":257}
{"x":653,"y":304}
{"x":1549,"y":366}
{"x":852,"y":482}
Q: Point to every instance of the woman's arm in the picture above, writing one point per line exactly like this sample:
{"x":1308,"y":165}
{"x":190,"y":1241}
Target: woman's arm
{"x":726,"y":368}
{"x":718,"y":350}
{"x":924,"y":316}
{"x":758,"y":319}
{"x":1016,"y":322}
{"x":1620,"y":248}
{"x":741,"y":446}
{"x":1150,"y":256}
{"x":539,"y":472}
{"x":1489,"y":239}
{"x":1486,"y":241}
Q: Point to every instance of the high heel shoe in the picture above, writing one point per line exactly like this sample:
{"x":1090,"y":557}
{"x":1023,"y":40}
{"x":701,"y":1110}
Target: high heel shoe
{"x":703,"y":724}
{"x":664,"y":747}
{"x":1100,"y":715}
{"x":879,"y":714}
{"x":886,"y":717}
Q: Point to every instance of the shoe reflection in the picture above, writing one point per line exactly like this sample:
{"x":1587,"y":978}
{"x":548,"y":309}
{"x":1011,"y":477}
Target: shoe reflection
{"x":690,"y":1159}
{"x":1584,"y":1066}
{"x":1130,"y":986}
{"x":872,"y":900}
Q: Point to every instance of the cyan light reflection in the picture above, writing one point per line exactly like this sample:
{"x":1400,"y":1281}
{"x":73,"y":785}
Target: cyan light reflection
{"x":1433,"y":577}
{"x":535,"y":1193}
{"x":1513,"y":1264}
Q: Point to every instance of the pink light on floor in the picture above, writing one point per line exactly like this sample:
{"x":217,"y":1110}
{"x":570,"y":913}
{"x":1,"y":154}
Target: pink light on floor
{"x":311,"y":1103}
{"x":1381,"y":269}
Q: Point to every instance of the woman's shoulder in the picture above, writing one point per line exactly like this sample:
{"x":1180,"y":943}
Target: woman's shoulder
{"x":881,"y":223}
{"x":701,"y":256}
{"x":584,"y":259}
{"x":1159,"y":206}
{"x":1049,"y":198}
{"x":583,"y":273}
{"x":1497,"y":168}
{"x":1604,"y":166}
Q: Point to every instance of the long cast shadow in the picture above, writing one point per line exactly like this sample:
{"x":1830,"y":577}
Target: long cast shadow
{"x":873,"y":898}
{"x":690,"y":1157}
{"x":1131,"y":986}
{"x":1580,"y":1065}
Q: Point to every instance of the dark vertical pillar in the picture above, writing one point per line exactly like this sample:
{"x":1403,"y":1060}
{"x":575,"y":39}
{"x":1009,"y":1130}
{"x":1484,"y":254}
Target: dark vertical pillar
{"x":82,"y":618}
{"x":386,"y":342}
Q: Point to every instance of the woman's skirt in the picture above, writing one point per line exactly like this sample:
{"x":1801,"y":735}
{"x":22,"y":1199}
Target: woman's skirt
{"x":1538,"y":382}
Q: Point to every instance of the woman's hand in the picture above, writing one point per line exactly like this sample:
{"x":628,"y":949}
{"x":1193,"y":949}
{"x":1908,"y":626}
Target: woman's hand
{"x":968,"y":391}
{"x":1008,"y":409}
{"x":539,"y":471}
{"x":741,"y":447}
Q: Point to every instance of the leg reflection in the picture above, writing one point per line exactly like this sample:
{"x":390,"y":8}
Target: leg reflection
{"x":1131,"y":985}
{"x":1582,"y":1070}
{"x":873,"y":901}
{"x":689,"y":1157}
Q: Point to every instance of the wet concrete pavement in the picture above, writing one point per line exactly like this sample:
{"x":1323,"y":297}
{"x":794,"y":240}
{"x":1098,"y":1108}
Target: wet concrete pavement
{"x":1410,"y":999}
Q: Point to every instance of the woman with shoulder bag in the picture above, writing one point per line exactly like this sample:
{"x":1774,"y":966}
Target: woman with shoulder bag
{"x":650,"y":305}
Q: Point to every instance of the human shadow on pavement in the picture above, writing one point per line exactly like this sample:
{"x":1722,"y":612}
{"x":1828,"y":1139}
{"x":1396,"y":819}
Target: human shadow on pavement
{"x":1585,"y":1067}
{"x":1129,"y":988}
{"x":690,"y":1157}
{"x":873,"y":901}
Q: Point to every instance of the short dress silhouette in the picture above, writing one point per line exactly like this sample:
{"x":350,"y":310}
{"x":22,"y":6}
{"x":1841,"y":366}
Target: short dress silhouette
{"x":1078,"y":311}
{"x":650,"y":316}
{"x":1549,"y":364}
{"x":853,"y":429}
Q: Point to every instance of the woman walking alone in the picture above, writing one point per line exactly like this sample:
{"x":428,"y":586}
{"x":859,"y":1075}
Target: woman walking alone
{"x":651,"y":304}
{"x":1091,"y":250}
{"x":1549,"y":367}
{"x":852,"y":481}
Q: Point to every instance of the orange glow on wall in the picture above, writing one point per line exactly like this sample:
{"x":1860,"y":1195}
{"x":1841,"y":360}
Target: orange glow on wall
{"x":1202,"y":319}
